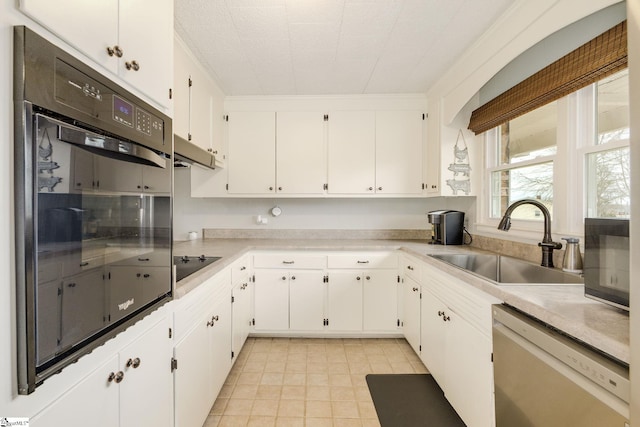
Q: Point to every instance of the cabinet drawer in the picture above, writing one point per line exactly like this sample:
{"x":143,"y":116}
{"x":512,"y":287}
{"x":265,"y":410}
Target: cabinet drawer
{"x":290,"y":260}
{"x":240,"y":270}
{"x":195,"y":306}
{"x":411,"y":268}
{"x":362,"y":260}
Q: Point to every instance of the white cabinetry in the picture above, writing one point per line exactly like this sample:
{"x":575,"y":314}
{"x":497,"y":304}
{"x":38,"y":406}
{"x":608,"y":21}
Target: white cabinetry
{"x":252,"y":152}
{"x":130,"y":39}
{"x":202,"y":353}
{"x":456,"y":344}
{"x":351,"y":152}
{"x":344,"y":301}
{"x":132,"y":388}
{"x":241,"y":297}
{"x":399,"y":154}
{"x":279,"y":152}
{"x":194,"y":98}
{"x":375,"y":152}
{"x":363,"y":296}
{"x":289,"y":291}
{"x":411,"y":302}
{"x":300,"y":153}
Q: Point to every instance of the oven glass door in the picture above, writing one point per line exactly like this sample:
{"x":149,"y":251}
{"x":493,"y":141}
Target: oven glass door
{"x":103,"y":235}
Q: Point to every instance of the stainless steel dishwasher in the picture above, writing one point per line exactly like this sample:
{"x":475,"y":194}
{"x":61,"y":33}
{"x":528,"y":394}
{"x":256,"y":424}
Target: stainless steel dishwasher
{"x":543,"y":378}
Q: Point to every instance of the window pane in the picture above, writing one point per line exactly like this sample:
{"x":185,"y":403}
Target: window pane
{"x":613,"y":108}
{"x":608,"y":184}
{"x":529,"y":136}
{"x":529,"y":182}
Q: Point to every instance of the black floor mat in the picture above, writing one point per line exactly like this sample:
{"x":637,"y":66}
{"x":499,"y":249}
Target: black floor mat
{"x":411,"y":400}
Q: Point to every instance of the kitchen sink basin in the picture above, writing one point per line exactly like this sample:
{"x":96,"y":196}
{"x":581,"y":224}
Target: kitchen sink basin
{"x":504,"y":270}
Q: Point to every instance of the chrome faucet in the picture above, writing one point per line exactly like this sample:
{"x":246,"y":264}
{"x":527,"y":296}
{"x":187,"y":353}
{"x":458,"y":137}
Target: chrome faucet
{"x":547,"y":244}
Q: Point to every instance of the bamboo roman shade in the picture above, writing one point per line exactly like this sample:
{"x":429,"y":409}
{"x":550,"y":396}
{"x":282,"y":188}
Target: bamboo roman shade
{"x":593,"y":61}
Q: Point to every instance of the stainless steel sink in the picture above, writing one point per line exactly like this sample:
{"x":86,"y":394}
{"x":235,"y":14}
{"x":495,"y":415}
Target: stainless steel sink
{"x":504,"y":270}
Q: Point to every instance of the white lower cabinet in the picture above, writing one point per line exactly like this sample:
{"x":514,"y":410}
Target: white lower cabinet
{"x":306,"y":300}
{"x":133,"y":388}
{"x":380,"y":300}
{"x":271,"y":300}
{"x":456,"y":344}
{"x":202,"y":353}
{"x":411,"y":318}
{"x":241,"y":315}
{"x":344,"y":301}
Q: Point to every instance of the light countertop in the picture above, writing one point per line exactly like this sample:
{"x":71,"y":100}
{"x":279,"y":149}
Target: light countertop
{"x":563,"y":307}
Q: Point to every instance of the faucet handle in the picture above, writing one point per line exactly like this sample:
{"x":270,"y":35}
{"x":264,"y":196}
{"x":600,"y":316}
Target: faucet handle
{"x":552,"y":245}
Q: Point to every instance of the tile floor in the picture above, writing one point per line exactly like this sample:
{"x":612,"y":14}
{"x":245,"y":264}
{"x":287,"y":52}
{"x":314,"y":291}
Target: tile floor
{"x":308,"y":382}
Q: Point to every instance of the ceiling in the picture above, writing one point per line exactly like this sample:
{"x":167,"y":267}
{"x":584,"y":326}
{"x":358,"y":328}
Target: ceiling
{"x":314,"y":47}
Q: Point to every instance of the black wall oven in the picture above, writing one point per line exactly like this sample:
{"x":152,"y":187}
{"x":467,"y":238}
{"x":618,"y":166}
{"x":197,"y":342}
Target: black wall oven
{"x":92,"y":208}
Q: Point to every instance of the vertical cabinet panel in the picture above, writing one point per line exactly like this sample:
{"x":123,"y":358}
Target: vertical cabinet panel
{"x":380,"y":300}
{"x":300,"y":154}
{"x":399,"y":152}
{"x":219,"y":346}
{"x":344,"y":302}
{"x":351,"y":152}
{"x":146,"y":393}
{"x":241,"y":314}
{"x":252,"y":152}
{"x":306,"y":300}
{"x":411,"y":313}
{"x":192,"y":385}
{"x":271,"y":300}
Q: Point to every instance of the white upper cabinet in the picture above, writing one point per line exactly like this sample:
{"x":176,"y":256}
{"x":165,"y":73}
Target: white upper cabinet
{"x":194,"y":97}
{"x":375,"y":152}
{"x":300,"y":153}
{"x":252,"y":152}
{"x":399,"y":152}
{"x":131,"y":39}
{"x":351,"y":152}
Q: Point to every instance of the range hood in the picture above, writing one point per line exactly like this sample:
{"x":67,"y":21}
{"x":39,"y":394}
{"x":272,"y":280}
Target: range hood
{"x":187,"y":154}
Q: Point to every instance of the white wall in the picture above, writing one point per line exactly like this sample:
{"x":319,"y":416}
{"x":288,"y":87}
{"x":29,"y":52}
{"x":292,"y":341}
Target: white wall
{"x":194,"y":214}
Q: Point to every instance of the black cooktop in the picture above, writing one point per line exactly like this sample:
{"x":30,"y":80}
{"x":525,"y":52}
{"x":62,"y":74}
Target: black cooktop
{"x":186,"y":265}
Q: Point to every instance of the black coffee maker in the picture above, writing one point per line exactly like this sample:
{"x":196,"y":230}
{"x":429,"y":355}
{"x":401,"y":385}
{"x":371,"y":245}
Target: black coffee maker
{"x":447,"y":227}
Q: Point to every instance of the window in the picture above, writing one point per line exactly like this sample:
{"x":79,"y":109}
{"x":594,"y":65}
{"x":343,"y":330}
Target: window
{"x":607,"y":162}
{"x":576,"y":148}
{"x":524,"y":154}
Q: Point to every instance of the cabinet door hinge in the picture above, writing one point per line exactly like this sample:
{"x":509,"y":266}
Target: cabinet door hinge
{"x":424,"y":116}
{"x":253,"y":278}
{"x":232,"y":355}
{"x":420,"y":348}
{"x":190,"y":82}
{"x":326,"y":117}
{"x":491,"y":357}
{"x":398,"y":278}
{"x":227,"y":187}
{"x":325,"y":279}
{"x":226,"y":118}
{"x":423,"y":185}
{"x":253,"y":321}
{"x":398,"y":323}
{"x":170,"y":93}
{"x":174,"y":364}
{"x":170,"y":333}
{"x":325,"y":322}
{"x":233,"y":299}
{"x":325,"y":186}
{"x":189,"y":137}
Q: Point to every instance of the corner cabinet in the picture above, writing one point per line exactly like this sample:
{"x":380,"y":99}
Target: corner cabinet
{"x":130,"y":39}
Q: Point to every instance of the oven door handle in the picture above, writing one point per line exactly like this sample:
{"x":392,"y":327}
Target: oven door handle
{"x":104,"y":145}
